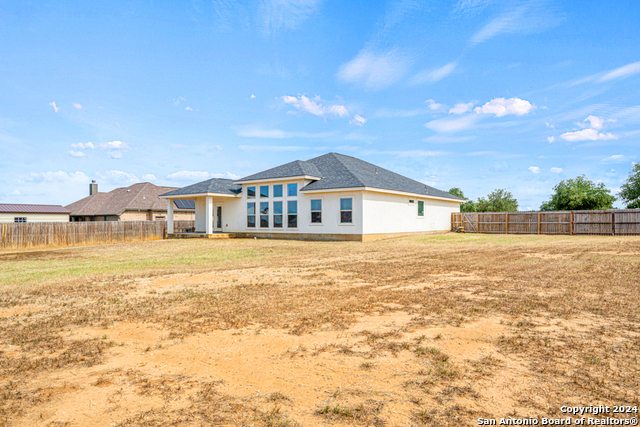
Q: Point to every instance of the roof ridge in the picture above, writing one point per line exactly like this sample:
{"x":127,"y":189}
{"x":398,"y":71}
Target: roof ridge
{"x":335,"y":155}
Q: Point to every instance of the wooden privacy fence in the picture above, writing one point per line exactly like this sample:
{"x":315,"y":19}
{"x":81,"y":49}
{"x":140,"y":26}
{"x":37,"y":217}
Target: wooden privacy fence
{"x":610,"y":222}
{"x":41,"y":234}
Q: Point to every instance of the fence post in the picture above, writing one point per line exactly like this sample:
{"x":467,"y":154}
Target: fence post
{"x":571,"y":223}
{"x":506,"y":222}
{"x":539,"y":223}
{"x":613,"y":223}
{"x":477,"y":222}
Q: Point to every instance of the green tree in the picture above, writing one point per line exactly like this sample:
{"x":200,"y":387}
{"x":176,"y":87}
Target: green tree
{"x":468,"y":206}
{"x":579,"y":194}
{"x":498,"y":201}
{"x":630,"y":191}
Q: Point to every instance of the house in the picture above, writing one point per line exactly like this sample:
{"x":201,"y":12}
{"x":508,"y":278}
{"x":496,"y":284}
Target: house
{"x":33,"y":213}
{"x":138,"y":202}
{"x":330,"y":197}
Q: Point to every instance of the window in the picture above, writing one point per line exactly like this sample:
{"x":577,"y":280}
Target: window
{"x":316,"y":211}
{"x":277,"y":190}
{"x":346,"y":211}
{"x":277,"y":212}
{"x":264,"y":191}
{"x":264,"y":214}
{"x":412,"y":202}
{"x":292,"y":190}
{"x":292,"y":214}
{"x":251,"y":215}
{"x":251,"y":192}
{"x":20,"y":219}
{"x":106,"y":218}
{"x":420,"y":208}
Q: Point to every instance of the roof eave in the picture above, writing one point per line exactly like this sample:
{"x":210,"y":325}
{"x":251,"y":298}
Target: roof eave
{"x":383,"y":190}
{"x":192,"y":195}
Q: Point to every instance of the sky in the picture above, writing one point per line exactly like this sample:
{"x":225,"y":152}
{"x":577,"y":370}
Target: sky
{"x":475,"y":94}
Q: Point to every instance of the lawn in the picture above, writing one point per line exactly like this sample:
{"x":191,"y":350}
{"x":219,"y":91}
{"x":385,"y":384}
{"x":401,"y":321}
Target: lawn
{"x":433,"y":330}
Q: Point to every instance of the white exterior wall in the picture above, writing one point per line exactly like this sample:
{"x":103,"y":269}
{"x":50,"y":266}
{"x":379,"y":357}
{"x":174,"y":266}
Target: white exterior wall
{"x":330,"y":211}
{"x":392,"y":213}
{"x":35,"y":217}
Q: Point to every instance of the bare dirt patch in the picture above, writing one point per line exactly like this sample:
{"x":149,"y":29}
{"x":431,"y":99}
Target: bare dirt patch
{"x":413,"y":331}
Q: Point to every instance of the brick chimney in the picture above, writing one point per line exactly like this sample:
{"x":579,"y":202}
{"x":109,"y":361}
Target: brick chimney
{"x":93,"y":188}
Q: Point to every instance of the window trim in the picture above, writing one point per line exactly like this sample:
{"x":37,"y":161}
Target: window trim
{"x":281,"y":215}
{"x":297,"y":214}
{"x":254,"y":192}
{"x":311,"y":211}
{"x":281,"y":196}
{"x":420,"y":202}
{"x":340,"y":211}
{"x":20,"y":219}
{"x":267,"y":215}
{"x":260,"y":187}
{"x":292,"y":183}
{"x":253,"y":215}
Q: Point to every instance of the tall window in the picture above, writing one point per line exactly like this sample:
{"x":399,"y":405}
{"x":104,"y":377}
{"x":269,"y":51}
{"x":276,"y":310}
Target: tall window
{"x":277,"y":212}
{"x":346,"y":211}
{"x":292,"y":214}
{"x":292,"y":190}
{"x":251,"y":192}
{"x":251,"y":215}
{"x":316,"y":211}
{"x":264,"y":191}
{"x":20,"y":219}
{"x":420,"y":208}
{"x":277,"y":190}
{"x":264,"y":214}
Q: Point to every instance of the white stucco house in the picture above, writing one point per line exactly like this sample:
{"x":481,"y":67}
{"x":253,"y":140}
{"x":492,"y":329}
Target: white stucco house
{"x":330,"y":197}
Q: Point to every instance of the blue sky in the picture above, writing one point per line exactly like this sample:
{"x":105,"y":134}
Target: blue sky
{"x":476,"y":94}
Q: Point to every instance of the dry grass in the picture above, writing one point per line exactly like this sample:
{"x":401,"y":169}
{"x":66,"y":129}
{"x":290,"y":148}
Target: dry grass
{"x":429,"y":331}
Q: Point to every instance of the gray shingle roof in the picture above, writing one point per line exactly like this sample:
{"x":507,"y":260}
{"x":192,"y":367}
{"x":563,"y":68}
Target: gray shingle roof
{"x":340,"y":171}
{"x":215,"y":185}
{"x":295,"y":168}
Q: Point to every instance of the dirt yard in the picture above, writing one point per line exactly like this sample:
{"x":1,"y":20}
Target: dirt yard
{"x":425,"y":331}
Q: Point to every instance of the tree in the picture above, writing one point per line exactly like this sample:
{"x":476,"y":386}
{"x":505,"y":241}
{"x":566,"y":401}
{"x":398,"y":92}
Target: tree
{"x":579,"y":194}
{"x":468,"y":206}
{"x":498,"y":201}
{"x":630,"y":191}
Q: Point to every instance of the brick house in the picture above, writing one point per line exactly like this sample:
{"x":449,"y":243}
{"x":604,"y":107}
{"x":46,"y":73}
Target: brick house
{"x":138,"y":202}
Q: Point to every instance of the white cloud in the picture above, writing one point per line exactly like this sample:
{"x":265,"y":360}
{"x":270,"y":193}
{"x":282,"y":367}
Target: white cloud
{"x":289,"y":14}
{"x":75,"y":153}
{"x":461,"y":108}
{"x":375,"y":70}
{"x":433,"y":105}
{"x":432,"y":76}
{"x":617,"y":158}
{"x":556,"y":170}
{"x":534,"y":169}
{"x":117,"y":177}
{"x":252,"y":96}
{"x":149,"y":177}
{"x":114,"y":154}
{"x":551,"y":139}
{"x":280,"y":134}
{"x":196,"y":176}
{"x":451,"y":125}
{"x":218,"y":148}
{"x":178,"y":100}
{"x":53,"y":104}
{"x":622,"y":72}
{"x":527,"y":17}
{"x":502,"y":107}
{"x":314,"y":106}
{"x":594,"y":122}
{"x":358,"y":120}
{"x":78,"y":106}
{"x":188,"y":109}
{"x":587,"y":135}
{"x":84,"y":145}
{"x":58,"y":177}
{"x":114,"y":145}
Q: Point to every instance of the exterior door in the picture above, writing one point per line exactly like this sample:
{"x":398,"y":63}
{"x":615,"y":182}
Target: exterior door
{"x":217,"y":223}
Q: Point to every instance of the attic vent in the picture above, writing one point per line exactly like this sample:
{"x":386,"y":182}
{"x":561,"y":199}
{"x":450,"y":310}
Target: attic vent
{"x":376,"y":170}
{"x":426,"y":189}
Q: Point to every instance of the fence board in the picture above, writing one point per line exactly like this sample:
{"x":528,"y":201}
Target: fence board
{"x":624,"y":222}
{"x":42,"y":234}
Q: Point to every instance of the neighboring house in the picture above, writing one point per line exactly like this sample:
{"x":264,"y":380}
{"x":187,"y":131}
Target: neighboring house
{"x":138,"y":202}
{"x":33,"y":213}
{"x":331,"y":197}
